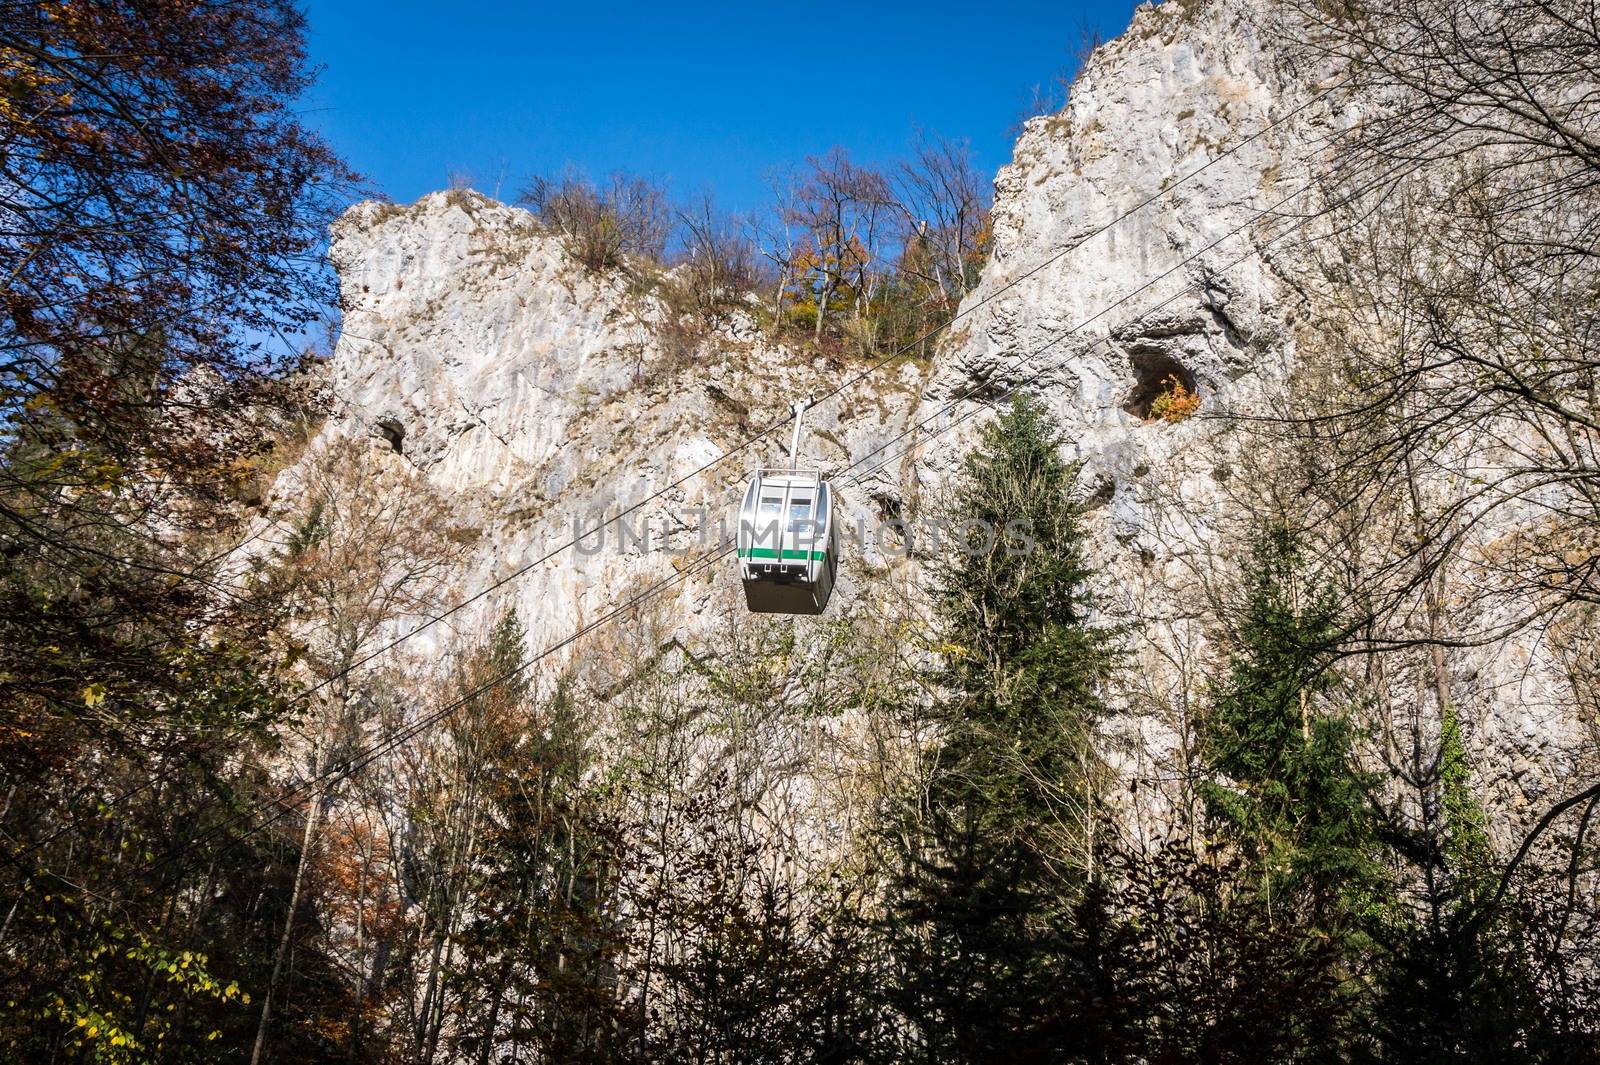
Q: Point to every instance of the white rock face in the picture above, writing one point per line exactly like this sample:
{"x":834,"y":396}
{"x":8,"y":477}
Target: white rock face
{"x":533,"y":395}
{"x":1103,"y":283}
{"x":1150,"y":230}
{"x":539,"y":399}
{"x":1125,"y":256}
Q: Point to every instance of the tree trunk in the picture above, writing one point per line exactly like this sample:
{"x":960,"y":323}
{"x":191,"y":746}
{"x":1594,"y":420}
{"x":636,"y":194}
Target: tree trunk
{"x":426,"y":1037}
{"x":457,"y":861}
{"x":361,"y":977}
{"x":486,"y":1047}
{"x":288,"y":931}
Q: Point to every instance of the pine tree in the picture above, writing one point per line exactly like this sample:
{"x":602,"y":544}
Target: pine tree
{"x":980,"y":918}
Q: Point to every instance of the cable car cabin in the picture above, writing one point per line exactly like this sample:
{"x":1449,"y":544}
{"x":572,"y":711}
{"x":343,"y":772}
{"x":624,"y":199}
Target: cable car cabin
{"x":787,"y":547}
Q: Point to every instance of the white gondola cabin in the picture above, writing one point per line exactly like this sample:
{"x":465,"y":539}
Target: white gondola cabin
{"x":787,"y":543}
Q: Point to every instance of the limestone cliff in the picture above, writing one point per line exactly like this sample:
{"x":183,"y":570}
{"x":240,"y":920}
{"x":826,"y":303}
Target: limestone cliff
{"x":534,"y":396}
{"x":539,"y":399}
{"x":1155,"y":228}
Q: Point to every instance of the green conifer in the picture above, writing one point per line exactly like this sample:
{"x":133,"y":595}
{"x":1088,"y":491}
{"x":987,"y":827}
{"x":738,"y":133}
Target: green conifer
{"x":1284,"y":785}
{"x":981,"y":916}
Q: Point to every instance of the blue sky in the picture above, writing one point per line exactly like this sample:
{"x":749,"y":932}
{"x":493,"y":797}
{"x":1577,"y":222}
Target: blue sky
{"x":703,"y":96}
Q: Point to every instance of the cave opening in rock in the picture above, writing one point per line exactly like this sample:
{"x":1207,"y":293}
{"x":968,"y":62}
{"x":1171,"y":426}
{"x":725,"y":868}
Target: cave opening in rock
{"x":1153,"y":374}
{"x":395,"y":433}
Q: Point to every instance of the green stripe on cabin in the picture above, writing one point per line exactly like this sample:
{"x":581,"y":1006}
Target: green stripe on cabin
{"x":781,"y":556}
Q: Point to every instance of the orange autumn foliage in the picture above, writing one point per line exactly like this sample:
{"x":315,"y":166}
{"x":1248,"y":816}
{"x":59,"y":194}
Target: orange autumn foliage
{"x":1175,"y":403}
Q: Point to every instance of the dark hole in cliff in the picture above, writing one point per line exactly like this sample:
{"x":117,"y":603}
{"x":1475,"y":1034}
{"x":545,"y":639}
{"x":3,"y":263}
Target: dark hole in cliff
{"x":988,"y":390}
{"x":1153,"y":374}
{"x":888,"y":507}
{"x":1103,"y":493}
{"x":394,"y":433}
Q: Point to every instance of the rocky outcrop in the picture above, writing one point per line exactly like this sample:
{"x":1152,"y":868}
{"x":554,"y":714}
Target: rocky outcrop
{"x":537,"y":398}
{"x":1125,"y":261}
{"x":1153,"y":231}
{"x":1123,"y":253}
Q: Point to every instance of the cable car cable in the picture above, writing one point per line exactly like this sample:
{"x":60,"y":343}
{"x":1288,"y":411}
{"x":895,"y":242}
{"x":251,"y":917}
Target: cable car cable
{"x":336,"y":774}
{"x":767,"y":431}
{"x":741,"y":446}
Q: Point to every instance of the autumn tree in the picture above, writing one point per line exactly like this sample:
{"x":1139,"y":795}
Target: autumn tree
{"x":1456,"y":416}
{"x":605,"y":225}
{"x":945,"y":215}
{"x":846,"y":213}
{"x":537,"y":941}
{"x":164,"y":212}
{"x":1458,"y":310}
{"x":717,"y":265}
{"x":758,"y":940}
{"x":369,"y":548}
{"x":880,"y":257}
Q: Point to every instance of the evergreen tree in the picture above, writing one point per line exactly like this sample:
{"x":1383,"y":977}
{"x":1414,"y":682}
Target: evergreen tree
{"x":163,"y":203}
{"x":1285,"y":792}
{"x":979,"y":922}
{"x":1461,"y":982}
{"x":1284,"y":786}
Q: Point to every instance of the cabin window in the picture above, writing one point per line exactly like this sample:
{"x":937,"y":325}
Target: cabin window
{"x":769,"y":518}
{"x":800,"y":515}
